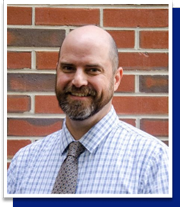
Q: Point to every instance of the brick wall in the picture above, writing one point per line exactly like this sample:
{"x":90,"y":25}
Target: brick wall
{"x":34,"y":34}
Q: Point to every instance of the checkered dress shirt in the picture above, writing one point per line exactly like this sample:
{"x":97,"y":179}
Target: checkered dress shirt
{"x":119,"y":159}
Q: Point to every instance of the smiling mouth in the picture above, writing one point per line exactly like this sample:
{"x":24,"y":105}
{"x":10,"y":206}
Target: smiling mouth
{"x":81,"y":94}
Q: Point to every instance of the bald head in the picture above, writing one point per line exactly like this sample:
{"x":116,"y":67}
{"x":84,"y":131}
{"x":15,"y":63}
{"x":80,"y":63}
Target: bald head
{"x":93,"y":35}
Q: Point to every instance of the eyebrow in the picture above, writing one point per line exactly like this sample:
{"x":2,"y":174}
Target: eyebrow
{"x":94,"y":65}
{"x":64,"y":63}
{"x":87,"y":65}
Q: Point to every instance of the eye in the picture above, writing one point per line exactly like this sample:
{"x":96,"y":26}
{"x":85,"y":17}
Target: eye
{"x":93,"y":71}
{"x":67,"y":68}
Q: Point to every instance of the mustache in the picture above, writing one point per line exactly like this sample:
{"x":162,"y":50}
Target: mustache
{"x":85,"y":90}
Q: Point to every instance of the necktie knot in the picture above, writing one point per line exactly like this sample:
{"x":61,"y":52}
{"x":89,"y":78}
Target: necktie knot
{"x":75,"y":149}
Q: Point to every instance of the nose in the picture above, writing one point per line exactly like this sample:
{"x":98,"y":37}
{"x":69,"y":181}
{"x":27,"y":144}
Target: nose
{"x":79,"y":78}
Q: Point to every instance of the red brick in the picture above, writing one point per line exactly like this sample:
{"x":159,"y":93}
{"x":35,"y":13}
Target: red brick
{"x":66,"y":16}
{"x":143,"y":61}
{"x":33,"y":126}
{"x":8,"y":164}
{"x":46,"y":60}
{"x":19,"y":15}
{"x":156,"y":127}
{"x":47,"y":105}
{"x":123,"y":105}
{"x":166,"y":142}
{"x":14,"y":145}
{"x":18,"y":60}
{"x":10,"y":37}
{"x":130,"y":121}
{"x":140,"y":105}
{"x":123,"y":39}
{"x":35,"y":37}
{"x":135,"y":17}
{"x":153,"y":84}
{"x":18,"y":103}
{"x":127,"y":84}
{"x":154,"y":39}
{"x":31,"y":82}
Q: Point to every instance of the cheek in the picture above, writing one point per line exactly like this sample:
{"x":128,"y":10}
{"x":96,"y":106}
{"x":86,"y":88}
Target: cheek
{"x":62,"y":80}
{"x":102,"y":86}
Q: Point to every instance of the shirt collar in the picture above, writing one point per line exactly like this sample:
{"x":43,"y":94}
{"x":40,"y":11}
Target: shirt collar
{"x":94,"y":136}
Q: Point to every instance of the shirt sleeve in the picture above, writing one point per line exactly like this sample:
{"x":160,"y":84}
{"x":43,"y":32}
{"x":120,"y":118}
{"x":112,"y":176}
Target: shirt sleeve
{"x":16,"y":170}
{"x":158,"y":175}
{"x":11,"y":177}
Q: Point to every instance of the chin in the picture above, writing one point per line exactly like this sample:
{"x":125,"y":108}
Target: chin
{"x":81,"y":116}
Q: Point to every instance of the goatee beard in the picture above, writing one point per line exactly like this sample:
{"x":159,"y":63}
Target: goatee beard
{"x":77,"y":110}
{"x":80,"y":110}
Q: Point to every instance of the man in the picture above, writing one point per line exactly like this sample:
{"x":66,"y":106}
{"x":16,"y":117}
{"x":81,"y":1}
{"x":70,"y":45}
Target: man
{"x":117,"y":158}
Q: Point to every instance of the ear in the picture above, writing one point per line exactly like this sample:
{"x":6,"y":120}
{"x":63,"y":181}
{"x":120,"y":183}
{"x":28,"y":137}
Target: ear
{"x":117,"y":78}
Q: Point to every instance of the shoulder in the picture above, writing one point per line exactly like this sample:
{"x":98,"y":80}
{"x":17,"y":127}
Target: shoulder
{"x":145,"y":151}
{"x":34,"y":149}
{"x":139,"y":140}
{"x":28,"y":159}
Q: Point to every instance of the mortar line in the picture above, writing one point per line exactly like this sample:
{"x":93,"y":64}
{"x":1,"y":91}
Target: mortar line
{"x":137,"y":39}
{"x":137,"y":84}
{"x":33,"y":16}
{"x":138,"y":123}
{"x":65,"y":27}
{"x":130,"y":72}
{"x":22,"y":137}
{"x":56,"y":49}
{"x":32,"y":104}
{"x":33,"y":61}
{"x":124,"y":6}
{"x":101,"y":17}
{"x":116,"y":94}
{"x":62,"y":116}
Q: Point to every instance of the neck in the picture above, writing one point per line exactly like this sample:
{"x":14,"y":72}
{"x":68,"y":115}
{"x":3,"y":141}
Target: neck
{"x":79,"y":128}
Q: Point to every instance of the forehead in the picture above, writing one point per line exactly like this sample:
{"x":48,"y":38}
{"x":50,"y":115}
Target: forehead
{"x":84,"y":47}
